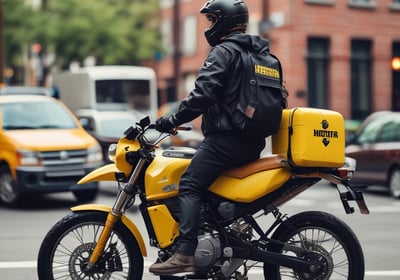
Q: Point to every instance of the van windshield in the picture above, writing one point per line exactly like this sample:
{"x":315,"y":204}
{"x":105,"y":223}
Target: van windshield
{"x":35,"y":115}
{"x":133,"y":93}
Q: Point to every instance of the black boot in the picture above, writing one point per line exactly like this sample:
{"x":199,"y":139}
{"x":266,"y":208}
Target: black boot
{"x":178,"y":263}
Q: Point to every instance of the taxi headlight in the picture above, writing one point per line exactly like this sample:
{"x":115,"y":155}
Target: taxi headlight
{"x":28,"y":158}
{"x":94,"y":154}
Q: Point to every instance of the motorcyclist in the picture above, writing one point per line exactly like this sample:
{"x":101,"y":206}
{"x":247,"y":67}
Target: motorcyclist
{"x":217,"y":84}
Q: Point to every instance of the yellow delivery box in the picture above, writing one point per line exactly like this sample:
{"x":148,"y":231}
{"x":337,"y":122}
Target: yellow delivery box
{"x":311,"y":137}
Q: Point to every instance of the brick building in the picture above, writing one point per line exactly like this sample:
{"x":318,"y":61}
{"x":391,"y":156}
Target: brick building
{"x":336,"y":54}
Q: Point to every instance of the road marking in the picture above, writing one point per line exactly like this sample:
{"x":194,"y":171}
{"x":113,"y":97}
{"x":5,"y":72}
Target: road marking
{"x":20,"y":264}
{"x":392,"y":273}
{"x":384,"y":209}
{"x":32,"y":264}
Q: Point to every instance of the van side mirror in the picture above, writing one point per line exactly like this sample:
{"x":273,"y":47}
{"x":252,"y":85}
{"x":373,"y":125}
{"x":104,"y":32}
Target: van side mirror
{"x":85,"y":123}
{"x":55,"y":92}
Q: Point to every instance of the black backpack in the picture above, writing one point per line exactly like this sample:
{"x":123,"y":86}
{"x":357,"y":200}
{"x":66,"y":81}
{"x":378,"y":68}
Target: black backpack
{"x":257,"y":111}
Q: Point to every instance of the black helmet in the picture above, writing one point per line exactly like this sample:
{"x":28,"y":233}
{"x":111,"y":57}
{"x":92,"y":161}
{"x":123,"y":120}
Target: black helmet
{"x":226,"y":16}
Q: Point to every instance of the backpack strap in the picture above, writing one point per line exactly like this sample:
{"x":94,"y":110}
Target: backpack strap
{"x":284,"y":91}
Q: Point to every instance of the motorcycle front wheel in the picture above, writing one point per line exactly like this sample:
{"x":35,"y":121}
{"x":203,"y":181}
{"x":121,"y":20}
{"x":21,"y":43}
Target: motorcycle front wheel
{"x":65,"y":251}
{"x":322,"y":236}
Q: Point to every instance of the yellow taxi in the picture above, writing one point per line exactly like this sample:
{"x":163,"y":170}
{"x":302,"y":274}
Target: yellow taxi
{"x":43,"y":149}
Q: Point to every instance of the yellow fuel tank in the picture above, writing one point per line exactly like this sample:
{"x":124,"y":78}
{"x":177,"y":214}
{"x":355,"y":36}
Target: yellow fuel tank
{"x":164,"y":172}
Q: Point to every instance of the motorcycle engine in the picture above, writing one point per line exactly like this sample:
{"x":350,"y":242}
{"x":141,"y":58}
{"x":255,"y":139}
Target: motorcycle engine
{"x":208,"y":251}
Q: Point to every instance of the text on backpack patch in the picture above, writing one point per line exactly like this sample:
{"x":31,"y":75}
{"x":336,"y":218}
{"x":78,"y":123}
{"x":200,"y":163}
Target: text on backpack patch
{"x":266,"y":71}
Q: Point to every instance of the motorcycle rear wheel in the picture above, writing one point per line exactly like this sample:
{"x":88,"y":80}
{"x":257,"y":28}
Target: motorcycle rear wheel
{"x":323,"y":234}
{"x":66,"y":248}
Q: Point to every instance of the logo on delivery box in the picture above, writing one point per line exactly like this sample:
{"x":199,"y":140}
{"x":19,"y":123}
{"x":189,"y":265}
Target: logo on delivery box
{"x":325,"y":133}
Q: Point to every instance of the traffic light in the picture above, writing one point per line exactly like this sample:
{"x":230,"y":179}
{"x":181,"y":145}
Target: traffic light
{"x":36,"y":48}
{"x":396,"y":63}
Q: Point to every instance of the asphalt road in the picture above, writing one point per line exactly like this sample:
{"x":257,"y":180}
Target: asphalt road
{"x":22,"y":230}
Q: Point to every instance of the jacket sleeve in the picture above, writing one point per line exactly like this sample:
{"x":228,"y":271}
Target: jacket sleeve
{"x":208,"y":86}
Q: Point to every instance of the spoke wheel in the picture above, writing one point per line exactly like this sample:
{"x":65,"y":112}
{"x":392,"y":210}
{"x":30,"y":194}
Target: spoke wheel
{"x":321,"y":237}
{"x":65,"y":251}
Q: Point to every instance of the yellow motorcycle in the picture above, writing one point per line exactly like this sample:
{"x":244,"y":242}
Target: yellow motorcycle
{"x":101,"y":242}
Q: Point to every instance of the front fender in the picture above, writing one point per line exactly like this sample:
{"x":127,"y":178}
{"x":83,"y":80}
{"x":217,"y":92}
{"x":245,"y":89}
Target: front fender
{"x":104,"y":173}
{"x":125,"y":220}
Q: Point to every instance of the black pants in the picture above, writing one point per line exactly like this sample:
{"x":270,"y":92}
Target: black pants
{"x":216,"y":154}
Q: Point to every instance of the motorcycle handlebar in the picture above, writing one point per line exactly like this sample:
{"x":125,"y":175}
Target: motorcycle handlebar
{"x":183,"y":128}
{"x":173,"y":131}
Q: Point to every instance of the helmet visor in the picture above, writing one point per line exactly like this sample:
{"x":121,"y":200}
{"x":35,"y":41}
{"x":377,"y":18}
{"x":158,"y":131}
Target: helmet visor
{"x":212,"y":19}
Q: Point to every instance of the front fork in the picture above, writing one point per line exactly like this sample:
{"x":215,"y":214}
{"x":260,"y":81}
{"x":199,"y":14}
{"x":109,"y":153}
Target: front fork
{"x":116,"y":213}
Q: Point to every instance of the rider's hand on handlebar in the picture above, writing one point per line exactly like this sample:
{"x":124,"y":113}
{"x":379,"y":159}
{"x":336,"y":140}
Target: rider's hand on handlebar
{"x":165,"y":124}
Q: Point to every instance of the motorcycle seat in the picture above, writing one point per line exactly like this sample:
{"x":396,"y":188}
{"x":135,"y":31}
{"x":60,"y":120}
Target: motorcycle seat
{"x":262,"y":164}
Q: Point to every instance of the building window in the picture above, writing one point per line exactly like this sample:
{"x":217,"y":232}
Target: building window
{"x":317,"y":72}
{"x":189,"y":35}
{"x":360,"y":64}
{"x":320,"y":2}
{"x":166,"y":35}
{"x":363,"y":4}
{"x":395,"y":5}
{"x":166,"y":3}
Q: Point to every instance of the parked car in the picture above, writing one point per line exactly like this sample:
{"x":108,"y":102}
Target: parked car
{"x":43,"y":149}
{"x":376,"y":147}
{"x":107,"y":126}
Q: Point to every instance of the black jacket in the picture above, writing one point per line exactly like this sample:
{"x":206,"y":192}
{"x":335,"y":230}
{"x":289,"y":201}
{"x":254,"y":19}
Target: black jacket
{"x":218,"y":85}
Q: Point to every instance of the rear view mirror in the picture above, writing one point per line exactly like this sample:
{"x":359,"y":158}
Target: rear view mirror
{"x":85,"y":123}
{"x":145,"y":122}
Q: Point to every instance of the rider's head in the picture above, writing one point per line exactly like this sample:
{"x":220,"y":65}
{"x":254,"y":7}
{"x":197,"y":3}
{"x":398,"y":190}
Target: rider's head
{"x":225,"y":16}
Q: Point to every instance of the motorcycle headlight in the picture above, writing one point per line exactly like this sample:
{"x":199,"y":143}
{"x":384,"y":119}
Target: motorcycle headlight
{"x":94,"y":154}
{"x":112,"y":150}
{"x":28,"y":158}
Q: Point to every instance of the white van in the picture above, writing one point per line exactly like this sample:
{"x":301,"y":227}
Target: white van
{"x":109,"y":88}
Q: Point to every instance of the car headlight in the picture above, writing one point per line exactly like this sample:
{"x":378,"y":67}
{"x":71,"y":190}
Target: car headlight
{"x":94,"y":154}
{"x":112,"y":150}
{"x":30,"y":158}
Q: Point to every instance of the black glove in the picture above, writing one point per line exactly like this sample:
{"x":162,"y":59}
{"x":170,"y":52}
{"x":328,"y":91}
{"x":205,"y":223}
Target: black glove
{"x":165,"y":124}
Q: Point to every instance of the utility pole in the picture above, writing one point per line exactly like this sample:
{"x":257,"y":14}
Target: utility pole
{"x":265,"y":9}
{"x":1,"y":46}
{"x":177,"y":51}
{"x":265,"y":24}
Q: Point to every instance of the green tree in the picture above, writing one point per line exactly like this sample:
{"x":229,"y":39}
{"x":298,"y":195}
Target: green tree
{"x":18,"y":28}
{"x":114,"y":31}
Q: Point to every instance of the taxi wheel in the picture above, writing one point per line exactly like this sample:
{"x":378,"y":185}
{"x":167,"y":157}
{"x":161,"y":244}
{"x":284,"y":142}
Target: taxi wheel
{"x":8,"y":192}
